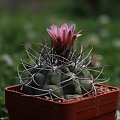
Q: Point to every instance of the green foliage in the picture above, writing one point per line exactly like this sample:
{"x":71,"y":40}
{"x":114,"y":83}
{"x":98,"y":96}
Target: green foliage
{"x":90,"y":7}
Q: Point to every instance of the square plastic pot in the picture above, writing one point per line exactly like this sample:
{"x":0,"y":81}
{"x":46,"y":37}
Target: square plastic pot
{"x":23,"y":107}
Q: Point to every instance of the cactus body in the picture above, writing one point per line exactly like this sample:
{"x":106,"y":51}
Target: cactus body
{"x":57,"y":72}
{"x":66,"y":81}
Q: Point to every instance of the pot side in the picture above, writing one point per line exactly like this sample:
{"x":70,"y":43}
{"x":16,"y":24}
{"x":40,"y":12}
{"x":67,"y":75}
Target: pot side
{"x":23,"y":107}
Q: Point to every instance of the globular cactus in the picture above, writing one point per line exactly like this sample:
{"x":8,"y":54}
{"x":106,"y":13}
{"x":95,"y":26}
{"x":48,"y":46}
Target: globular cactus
{"x":58,"y":72}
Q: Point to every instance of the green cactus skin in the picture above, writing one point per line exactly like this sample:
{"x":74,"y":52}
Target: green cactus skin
{"x":53,"y":77}
{"x":25,"y":88}
{"x":39,"y":79}
{"x":87,"y":85}
{"x":65,"y":69}
{"x":54,"y":89}
{"x":72,"y":86}
{"x":29,"y":88}
{"x":78,"y":71}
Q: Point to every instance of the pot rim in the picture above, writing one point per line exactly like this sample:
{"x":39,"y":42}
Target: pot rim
{"x":114,"y":89}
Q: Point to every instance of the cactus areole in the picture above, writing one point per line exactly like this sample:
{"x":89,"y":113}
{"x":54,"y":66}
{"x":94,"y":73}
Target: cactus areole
{"x":60,"y":82}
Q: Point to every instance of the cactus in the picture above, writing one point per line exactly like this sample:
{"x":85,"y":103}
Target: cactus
{"x":57,"y":72}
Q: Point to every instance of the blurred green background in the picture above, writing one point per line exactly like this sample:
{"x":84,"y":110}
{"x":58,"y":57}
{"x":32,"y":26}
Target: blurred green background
{"x":24,"y":22}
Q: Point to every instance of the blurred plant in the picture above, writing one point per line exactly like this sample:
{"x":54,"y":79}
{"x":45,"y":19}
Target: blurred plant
{"x":104,"y":19}
{"x":96,"y":61}
{"x":116,"y":43}
{"x":7,"y":59}
{"x":104,"y":33}
{"x":104,"y":22}
{"x":3,"y":113}
{"x":92,"y":38}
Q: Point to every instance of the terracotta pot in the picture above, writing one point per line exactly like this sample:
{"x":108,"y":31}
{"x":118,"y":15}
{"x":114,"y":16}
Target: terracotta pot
{"x":23,"y":107}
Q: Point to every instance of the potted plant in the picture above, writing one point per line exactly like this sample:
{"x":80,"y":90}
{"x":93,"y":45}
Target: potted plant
{"x":60,"y":84}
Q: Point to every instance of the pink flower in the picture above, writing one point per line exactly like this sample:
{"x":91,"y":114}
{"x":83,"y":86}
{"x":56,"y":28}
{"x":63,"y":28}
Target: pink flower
{"x":63,"y":37}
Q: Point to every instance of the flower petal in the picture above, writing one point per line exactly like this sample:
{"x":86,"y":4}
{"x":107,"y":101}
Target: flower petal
{"x":68,"y":42}
{"x":65,"y":26}
{"x":79,"y":33}
{"x":72,"y":28}
{"x":69,"y":37}
{"x":74,"y":37}
{"x":54,"y":29}
{"x":64,"y":36}
{"x":59,"y":42}
{"x":52,"y":36}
